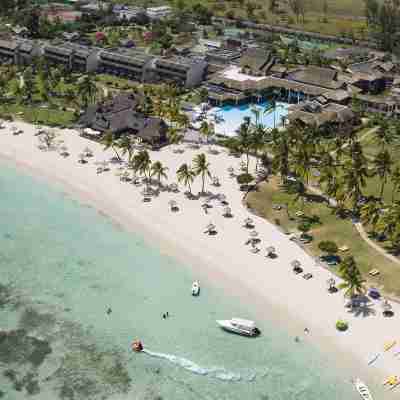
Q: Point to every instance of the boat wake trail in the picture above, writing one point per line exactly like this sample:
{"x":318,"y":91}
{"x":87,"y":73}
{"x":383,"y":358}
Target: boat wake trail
{"x":215,"y":372}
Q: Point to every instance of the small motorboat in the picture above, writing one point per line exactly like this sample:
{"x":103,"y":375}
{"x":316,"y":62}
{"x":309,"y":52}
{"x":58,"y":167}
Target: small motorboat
{"x":363,"y":390}
{"x":195,"y":288}
{"x":240,"y":326}
{"x":137,"y":346}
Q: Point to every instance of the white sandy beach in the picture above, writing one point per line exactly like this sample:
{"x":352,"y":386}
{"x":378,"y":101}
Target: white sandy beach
{"x":223,"y":258}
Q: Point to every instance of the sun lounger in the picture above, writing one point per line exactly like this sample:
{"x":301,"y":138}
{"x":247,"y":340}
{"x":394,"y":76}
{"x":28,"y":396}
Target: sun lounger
{"x":307,"y":276}
{"x":374,"y":272}
{"x":344,"y":248}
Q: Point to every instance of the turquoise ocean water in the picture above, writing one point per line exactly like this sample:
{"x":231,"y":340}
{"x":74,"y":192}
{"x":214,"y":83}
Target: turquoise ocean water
{"x":62,"y":265}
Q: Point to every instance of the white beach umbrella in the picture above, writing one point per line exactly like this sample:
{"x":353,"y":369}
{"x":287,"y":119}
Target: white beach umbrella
{"x":231,"y":170}
{"x":254,"y":234}
{"x":222,"y":197}
{"x":227,"y":211}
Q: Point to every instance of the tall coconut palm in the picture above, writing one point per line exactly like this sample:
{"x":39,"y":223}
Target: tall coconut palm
{"x":142,"y":164}
{"x":126,"y":144}
{"x":244,"y":138}
{"x":158,"y":169}
{"x":355,"y":172}
{"x":395,"y":178}
{"x":207,"y":130}
{"x":109,"y":141}
{"x":370,"y":213}
{"x":382,"y":164}
{"x":186,"y":175}
{"x":271,"y":109}
{"x":87,"y":90}
{"x":201,"y":167}
{"x":353,"y":281}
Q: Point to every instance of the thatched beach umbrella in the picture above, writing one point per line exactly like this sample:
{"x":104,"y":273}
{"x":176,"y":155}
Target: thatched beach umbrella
{"x":387,"y":308}
{"x":248,"y":222}
{"x":331,"y":284}
{"x":88,"y":152}
{"x":270,"y":251}
{"x":81,"y":158}
{"x":64,"y":151}
{"x":253,"y":234}
{"x":227,"y":212}
{"x":174,"y":187}
{"x":231,"y":170}
{"x":14,"y":130}
{"x":295,"y":263}
{"x":173,"y":205}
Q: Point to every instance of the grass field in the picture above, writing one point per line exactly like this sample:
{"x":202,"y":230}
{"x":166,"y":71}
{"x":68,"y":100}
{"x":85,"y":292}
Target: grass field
{"x":331,"y":228}
{"x":45,"y":116}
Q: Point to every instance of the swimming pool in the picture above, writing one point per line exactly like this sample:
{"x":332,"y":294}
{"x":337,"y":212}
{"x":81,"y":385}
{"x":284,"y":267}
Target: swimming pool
{"x":227,"y":119}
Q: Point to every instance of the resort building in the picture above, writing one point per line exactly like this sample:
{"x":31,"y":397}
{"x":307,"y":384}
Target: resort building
{"x":256,"y":62}
{"x":74,"y":57}
{"x":18,"y":51}
{"x":329,"y":117}
{"x":129,"y":64}
{"x":187,"y":72}
{"x":158,"y":12}
{"x":120,"y":116}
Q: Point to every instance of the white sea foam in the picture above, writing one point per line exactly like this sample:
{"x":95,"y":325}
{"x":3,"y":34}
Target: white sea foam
{"x":215,"y":372}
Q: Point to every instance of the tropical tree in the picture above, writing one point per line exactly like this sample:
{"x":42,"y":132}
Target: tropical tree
{"x":159,"y":170}
{"x":207,"y":130}
{"x":109,"y":140}
{"x":201,"y":167}
{"x":244,"y":138}
{"x":142,"y":164}
{"x":87,"y":90}
{"x":395,"y":178}
{"x":271,"y":109}
{"x":126,"y":144}
{"x":329,"y":247}
{"x":370,"y":213}
{"x":382,"y":164}
{"x":355,"y":172}
{"x":353,"y":281}
{"x":389,"y":224}
{"x":280,"y":149}
{"x":186,"y":175}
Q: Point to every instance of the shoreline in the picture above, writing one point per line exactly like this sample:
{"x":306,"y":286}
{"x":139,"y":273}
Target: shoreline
{"x":209,"y":256}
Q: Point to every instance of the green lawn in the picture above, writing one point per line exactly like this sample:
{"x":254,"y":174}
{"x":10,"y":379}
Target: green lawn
{"x":45,"y":116}
{"x":331,"y":228}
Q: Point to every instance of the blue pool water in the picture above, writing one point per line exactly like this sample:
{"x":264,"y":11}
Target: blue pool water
{"x":63,"y":264}
{"x":229,"y":117}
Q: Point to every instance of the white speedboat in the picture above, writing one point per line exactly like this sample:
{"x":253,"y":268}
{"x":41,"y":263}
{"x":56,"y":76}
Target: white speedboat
{"x":363,"y":390}
{"x":195,"y":288}
{"x":240,"y":326}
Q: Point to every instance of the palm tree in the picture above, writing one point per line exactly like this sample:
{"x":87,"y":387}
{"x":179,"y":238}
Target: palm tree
{"x":207,"y":130}
{"x":87,"y":90}
{"x":201,"y":167}
{"x":142,"y":163}
{"x":370,"y":213}
{"x":355,"y":172}
{"x":186,"y":175}
{"x":271,"y":108}
{"x":258,"y":138}
{"x":244,"y":138}
{"x":395,"y":178}
{"x":384,"y":133}
{"x":126,"y":145}
{"x":159,"y":170}
{"x":353,"y":281}
{"x":383,"y":167}
{"x":109,"y":141}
